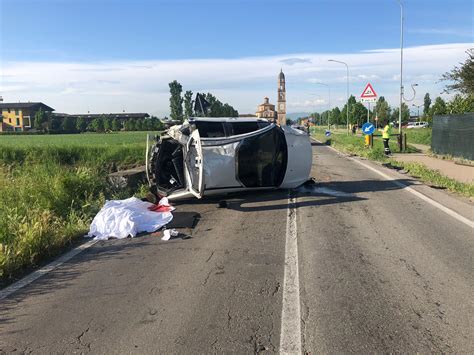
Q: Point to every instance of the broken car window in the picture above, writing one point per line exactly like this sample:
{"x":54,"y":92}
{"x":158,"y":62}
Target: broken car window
{"x":210,"y":129}
{"x":244,"y":127}
{"x":262,"y":159}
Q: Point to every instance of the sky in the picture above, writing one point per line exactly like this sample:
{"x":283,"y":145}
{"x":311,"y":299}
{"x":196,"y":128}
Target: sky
{"x":119,"y":55}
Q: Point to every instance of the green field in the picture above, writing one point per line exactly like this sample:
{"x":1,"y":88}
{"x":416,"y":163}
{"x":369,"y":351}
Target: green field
{"x":51,"y":186}
{"x":83,"y":139}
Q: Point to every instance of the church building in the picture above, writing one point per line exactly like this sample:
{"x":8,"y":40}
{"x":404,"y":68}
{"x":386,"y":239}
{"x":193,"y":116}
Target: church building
{"x":281,"y":106}
{"x":267,"y":110}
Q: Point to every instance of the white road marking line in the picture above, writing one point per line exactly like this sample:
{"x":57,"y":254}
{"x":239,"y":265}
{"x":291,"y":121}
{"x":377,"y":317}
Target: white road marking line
{"x":425,"y":198}
{"x":44,"y":270}
{"x":290,"y":334}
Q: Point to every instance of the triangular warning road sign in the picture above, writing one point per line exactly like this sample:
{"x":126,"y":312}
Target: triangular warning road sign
{"x":368,"y":92}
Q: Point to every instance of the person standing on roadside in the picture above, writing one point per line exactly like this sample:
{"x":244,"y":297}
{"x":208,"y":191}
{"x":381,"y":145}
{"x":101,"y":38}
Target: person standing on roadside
{"x":386,"y":132}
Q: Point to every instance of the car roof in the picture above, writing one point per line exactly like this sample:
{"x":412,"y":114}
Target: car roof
{"x":226,"y":119}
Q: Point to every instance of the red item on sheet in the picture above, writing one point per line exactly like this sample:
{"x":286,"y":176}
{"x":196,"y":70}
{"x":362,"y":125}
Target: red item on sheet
{"x":162,"y":206}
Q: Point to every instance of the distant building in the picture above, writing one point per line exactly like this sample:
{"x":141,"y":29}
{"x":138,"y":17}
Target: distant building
{"x":266,"y":110}
{"x":281,"y":106}
{"x":91,"y":116}
{"x":19,"y":116}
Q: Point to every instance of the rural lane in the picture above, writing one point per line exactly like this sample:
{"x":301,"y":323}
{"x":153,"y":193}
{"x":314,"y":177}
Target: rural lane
{"x":380,"y":270}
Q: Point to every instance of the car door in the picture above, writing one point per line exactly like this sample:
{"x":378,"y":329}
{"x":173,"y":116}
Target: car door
{"x":194,"y":166}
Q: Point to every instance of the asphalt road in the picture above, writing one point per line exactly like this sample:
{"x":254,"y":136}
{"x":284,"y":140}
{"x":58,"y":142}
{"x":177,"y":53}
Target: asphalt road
{"x":380,"y":270}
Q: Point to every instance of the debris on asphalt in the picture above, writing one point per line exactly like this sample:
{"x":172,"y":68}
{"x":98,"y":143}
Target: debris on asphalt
{"x":223,"y":204}
{"x":126,"y":218}
{"x":168,"y":233}
{"x":312,"y":187}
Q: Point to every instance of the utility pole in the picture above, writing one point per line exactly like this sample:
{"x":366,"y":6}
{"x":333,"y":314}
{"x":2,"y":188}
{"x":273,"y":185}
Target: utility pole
{"x":401,"y":69}
{"x":347,"y":68}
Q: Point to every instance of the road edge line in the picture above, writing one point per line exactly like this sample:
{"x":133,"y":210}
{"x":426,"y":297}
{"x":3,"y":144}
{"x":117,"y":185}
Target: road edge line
{"x":425,"y":198}
{"x":25,"y":281}
{"x":290,"y":332}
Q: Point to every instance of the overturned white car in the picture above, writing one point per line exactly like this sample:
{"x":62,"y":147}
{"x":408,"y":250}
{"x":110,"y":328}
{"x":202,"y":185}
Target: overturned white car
{"x":205,"y":156}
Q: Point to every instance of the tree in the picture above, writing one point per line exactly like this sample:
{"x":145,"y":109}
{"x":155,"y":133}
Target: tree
{"x":176,"y":101}
{"x":439,"y":107}
{"x":81,"y":124}
{"x":460,"y":104}
{"x":68,"y":125}
{"x":156,"y":124}
{"x":357,"y":111}
{"x":139,"y":126}
{"x":426,"y":104}
{"x":405,"y":113}
{"x":54,"y":123}
{"x":97,"y":124}
{"x":336,"y":116}
{"x":462,"y":77}
{"x":40,"y":119}
{"x":188,"y":104}
{"x":218,"y":109}
{"x":382,"y":109}
{"x":107,"y":123}
{"x":116,"y":125}
{"x":130,"y":125}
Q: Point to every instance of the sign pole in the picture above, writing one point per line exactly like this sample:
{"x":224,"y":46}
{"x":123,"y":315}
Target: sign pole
{"x":368,"y":111}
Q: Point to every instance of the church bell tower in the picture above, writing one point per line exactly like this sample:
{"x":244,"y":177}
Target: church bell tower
{"x":281,"y":106}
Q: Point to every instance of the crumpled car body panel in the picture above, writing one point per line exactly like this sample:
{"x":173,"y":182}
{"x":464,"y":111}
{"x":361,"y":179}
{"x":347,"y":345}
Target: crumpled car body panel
{"x":205,"y":156}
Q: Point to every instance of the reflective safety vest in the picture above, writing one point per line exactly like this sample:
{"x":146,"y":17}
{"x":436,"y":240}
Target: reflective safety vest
{"x":387,"y":130}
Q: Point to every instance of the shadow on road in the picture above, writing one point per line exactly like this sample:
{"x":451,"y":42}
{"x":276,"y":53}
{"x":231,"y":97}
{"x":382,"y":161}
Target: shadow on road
{"x":325,"y":193}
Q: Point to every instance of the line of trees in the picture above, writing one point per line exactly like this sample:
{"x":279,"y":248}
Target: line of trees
{"x":182,"y":106}
{"x":460,"y":80}
{"x":50,"y":123}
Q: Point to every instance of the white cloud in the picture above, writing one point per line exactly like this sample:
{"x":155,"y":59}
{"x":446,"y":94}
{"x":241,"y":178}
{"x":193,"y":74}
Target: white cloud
{"x":292,"y":61}
{"x":143,"y":85}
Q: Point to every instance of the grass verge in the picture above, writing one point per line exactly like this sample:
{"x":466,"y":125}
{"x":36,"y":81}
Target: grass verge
{"x":49,"y":194}
{"x":355,"y":145}
{"x":419,"y":135}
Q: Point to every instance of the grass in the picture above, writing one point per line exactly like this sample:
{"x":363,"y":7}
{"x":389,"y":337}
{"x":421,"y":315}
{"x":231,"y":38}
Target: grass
{"x":355,"y":145}
{"x":52,"y":186}
{"x":419,"y":136}
{"x":434,"y":178}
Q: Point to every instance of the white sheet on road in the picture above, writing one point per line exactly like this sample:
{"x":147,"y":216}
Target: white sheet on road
{"x":123,"y":218}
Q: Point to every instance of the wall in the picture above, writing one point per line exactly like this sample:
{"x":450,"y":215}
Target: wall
{"x":10,"y":119}
{"x":454,"y":135}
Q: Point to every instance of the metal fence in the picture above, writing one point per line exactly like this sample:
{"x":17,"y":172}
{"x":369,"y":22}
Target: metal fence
{"x":454,"y":135}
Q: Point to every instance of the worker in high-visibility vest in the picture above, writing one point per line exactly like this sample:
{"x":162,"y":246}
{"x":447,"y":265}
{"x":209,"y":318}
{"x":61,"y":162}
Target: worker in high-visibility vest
{"x":386,"y":132}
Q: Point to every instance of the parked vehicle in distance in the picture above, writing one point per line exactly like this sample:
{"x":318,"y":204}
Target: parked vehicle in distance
{"x":421,"y":124}
{"x":206,"y":156}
